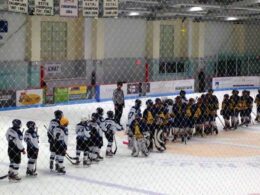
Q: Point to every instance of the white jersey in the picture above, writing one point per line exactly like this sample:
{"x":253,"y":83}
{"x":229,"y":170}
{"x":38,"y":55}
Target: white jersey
{"x":15,"y":138}
{"x":184,"y":100}
{"x":53,"y":124}
{"x":82,"y":131}
{"x":95,"y":127}
{"x":110,"y":125}
{"x":61,"y":134}
{"x":31,"y":138}
{"x":131,"y":115}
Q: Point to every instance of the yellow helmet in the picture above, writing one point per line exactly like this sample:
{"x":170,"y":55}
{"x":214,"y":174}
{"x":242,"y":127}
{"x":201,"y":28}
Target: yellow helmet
{"x":64,"y":121}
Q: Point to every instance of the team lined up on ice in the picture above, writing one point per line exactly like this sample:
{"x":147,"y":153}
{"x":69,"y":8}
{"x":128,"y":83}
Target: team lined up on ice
{"x":160,"y":121}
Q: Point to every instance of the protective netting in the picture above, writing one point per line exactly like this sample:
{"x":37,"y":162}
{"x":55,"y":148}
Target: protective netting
{"x":174,"y":74}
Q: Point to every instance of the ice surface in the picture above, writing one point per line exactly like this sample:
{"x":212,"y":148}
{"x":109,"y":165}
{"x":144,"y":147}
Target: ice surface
{"x":171,"y":172}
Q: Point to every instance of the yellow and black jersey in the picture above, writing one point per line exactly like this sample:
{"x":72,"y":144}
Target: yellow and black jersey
{"x":234,"y":102}
{"x":189,"y":111}
{"x":225,"y":105}
{"x":257,"y":100}
{"x":148,"y":117}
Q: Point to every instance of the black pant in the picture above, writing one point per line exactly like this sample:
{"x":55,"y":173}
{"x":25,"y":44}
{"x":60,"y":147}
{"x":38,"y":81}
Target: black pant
{"x":118,"y":112}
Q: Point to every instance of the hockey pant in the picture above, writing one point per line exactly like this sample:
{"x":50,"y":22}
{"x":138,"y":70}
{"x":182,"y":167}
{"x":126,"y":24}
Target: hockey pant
{"x":139,"y":145}
{"x":15,"y":159}
{"x":32,"y":154}
{"x":82,"y":146}
{"x":110,"y":138}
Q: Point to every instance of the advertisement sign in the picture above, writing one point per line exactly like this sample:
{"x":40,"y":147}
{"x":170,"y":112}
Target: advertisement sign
{"x":138,"y":88}
{"x":29,"y":97}
{"x":90,"y":8}
{"x":69,"y":8}
{"x":235,"y":82}
{"x":7,"y":98}
{"x":61,"y":94}
{"x":110,"y":8}
{"x":44,"y":7}
{"x":186,"y":85}
{"x":20,"y":6}
{"x":77,"y":93}
{"x":52,"y":68}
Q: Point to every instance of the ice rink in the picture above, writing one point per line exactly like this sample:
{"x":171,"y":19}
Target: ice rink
{"x":228,"y":163}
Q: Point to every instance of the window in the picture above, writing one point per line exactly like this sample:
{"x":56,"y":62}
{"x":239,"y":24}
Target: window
{"x":53,"y":40}
{"x":169,"y":66}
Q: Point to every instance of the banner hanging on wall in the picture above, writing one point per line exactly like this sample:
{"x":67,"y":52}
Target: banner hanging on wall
{"x":77,"y":93}
{"x":90,"y":8}
{"x":61,"y":94}
{"x":110,"y":8}
{"x":20,"y":6}
{"x":44,"y":7}
{"x":29,"y":97}
{"x":7,"y":98}
{"x":69,"y":8}
{"x":52,"y":68}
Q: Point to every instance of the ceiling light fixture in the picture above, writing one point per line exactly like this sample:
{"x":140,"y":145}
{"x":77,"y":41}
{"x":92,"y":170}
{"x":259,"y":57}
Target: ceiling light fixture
{"x":195,"y":9}
{"x":231,"y":18}
{"x":134,"y":14}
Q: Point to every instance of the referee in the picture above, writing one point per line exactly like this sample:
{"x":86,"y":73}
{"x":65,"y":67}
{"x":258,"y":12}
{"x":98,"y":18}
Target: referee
{"x":119,"y":101}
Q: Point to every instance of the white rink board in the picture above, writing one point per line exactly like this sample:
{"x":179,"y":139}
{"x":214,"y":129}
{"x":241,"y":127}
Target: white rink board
{"x":235,"y":82}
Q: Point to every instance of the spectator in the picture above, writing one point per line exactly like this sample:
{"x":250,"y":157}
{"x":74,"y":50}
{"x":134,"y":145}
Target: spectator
{"x":119,"y":102}
{"x":201,"y":78}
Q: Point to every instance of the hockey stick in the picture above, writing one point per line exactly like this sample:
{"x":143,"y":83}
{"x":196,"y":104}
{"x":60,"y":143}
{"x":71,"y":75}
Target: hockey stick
{"x":4,"y":176}
{"x":114,"y":152}
{"x":73,"y":163}
{"x":72,"y":158}
{"x":221,"y":121}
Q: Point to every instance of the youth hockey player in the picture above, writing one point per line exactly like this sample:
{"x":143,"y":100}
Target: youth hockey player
{"x":257,"y":102}
{"x":199,"y":116}
{"x":189,"y":120}
{"x":54,"y":123}
{"x":109,"y":126}
{"x":82,"y":140}
{"x":179,"y":110}
{"x":94,"y":142}
{"x":31,"y":138}
{"x":225,"y":111}
{"x":136,"y":109}
{"x":149,"y":121}
{"x":100,"y":113}
{"x":14,"y":137}
{"x":245,"y":107}
{"x":137,"y":129}
{"x":234,"y":108}
{"x":60,"y":135}
{"x":212,"y":107}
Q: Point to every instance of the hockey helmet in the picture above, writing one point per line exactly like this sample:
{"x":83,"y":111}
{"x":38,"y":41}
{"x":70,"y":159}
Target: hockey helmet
{"x":138,"y":103}
{"x":158,"y":101}
{"x":110,"y":114}
{"x":94,"y":116}
{"x":58,"y":114}
{"x":226,"y":96}
{"x":30,"y":124}
{"x":17,"y":123}
{"x":100,"y":111}
{"x":64,"y":122}
{"x":149,"y":102}
{"x":182,"y":93}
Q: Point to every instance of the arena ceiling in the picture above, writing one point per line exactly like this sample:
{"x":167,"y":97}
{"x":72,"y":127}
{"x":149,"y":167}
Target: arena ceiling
{"x":226,"y":10}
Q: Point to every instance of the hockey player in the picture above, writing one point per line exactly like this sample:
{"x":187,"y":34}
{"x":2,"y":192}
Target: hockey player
{"x":225,"y":111}
{"x":31,"y":138}
{"x":149,"y":121}
{"x":212,"y":107}
{"x":137,"y":129}
{"x":234,"y":108}
{"x":189,"y":120}
{"x":157,"y":107}
{"x":94,"y":142}
{"x":54,"y":123}
{"x":109,"y":126}
{"x":14,"y":137}
{"x":257,"y":101}
{"x":183,"y":96}
{"x":60,"y":135}
{"x":136,"y":109}
{"x":199,"y":116}
{"x":245,"y":107}
{"x":179,"y":110}
{"x":82,"y":139}
{"x":100,"y":113}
